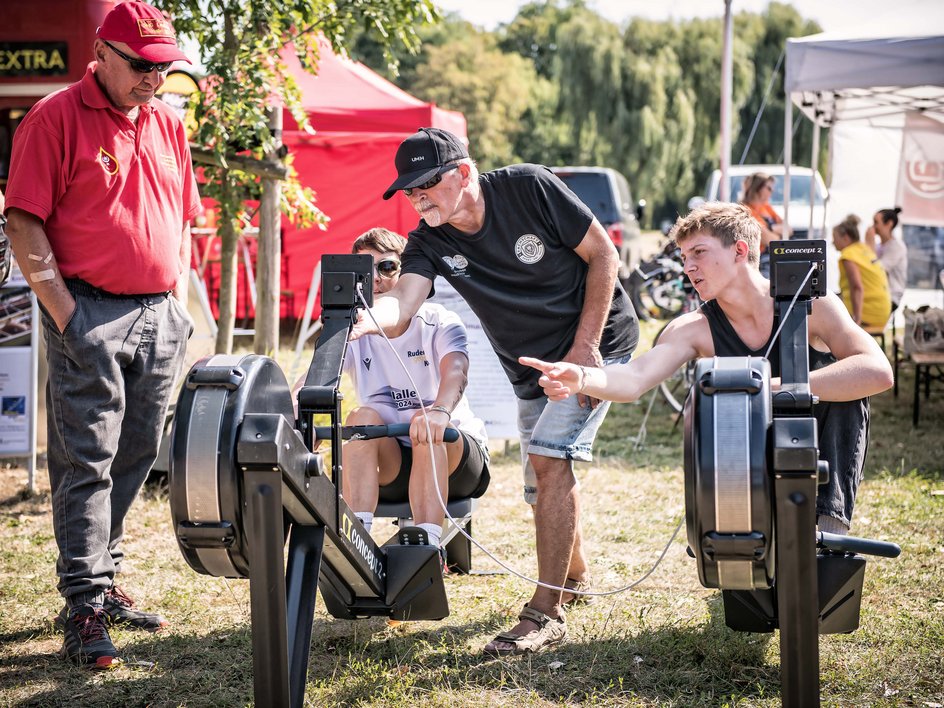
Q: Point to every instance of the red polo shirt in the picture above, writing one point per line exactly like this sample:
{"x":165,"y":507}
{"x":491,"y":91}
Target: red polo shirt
{"x":114,"y":195}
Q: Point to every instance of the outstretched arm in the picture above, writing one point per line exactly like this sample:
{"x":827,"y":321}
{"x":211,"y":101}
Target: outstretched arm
{"x":624,"y":382}
{"x":394,"y":310}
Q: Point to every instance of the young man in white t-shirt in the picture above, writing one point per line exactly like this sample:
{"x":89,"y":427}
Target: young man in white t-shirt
{"x":435,"y":352}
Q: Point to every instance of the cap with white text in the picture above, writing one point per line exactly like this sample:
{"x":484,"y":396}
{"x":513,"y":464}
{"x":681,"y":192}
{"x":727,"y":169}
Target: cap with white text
{"x":422,"y":155}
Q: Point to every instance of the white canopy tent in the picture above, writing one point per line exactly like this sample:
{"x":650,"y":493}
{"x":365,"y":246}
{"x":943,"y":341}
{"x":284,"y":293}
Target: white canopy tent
{"x":861,"y":83}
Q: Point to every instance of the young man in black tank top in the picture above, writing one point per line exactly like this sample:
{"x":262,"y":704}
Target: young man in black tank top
{"x":720,"y":247}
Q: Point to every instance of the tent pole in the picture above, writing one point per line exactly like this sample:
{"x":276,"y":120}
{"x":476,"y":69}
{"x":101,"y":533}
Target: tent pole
{"x":306,"y":331}
{"x":787,"y":154}
{"x":814,"y":163}
{"x":830,"y":149}
{"x":726,"y":90}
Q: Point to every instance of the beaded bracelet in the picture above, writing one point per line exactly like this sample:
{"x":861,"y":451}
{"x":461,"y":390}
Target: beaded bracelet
{"x":583,"y":378}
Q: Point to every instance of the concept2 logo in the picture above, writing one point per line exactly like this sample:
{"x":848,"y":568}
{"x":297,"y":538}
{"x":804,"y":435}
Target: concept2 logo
{"x":360,"y":546}
{"x":798,"y":251}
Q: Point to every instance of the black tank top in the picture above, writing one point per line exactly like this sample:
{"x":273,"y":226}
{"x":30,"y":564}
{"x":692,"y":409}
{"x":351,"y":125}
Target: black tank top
{"x":727,"y":342}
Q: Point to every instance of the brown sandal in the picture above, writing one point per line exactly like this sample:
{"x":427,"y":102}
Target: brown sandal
{"x":580,"y":586}
{"x":550,"y":631}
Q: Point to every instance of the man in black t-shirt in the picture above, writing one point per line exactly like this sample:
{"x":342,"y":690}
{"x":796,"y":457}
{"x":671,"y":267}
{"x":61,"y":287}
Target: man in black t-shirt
{"x":720,"y":245}
{"x":523,"y":251}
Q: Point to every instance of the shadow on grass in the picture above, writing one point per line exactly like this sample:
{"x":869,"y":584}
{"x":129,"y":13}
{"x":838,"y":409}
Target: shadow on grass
{"x":706,"y":665}
{"x":211,"y":669}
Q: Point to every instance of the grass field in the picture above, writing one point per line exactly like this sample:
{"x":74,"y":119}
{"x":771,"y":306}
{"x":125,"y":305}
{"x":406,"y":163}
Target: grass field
{"x":664,"y":643}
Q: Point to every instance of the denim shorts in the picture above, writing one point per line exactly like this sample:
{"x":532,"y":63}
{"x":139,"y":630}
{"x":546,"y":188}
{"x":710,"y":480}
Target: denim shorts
{"x":560,"y":429}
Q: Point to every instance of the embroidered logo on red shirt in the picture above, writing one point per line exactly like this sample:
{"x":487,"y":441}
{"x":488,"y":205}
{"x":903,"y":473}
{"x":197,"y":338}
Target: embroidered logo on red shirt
{"x":108,"y":161}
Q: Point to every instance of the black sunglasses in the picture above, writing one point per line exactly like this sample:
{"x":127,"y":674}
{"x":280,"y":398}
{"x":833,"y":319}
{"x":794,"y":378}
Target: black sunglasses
{"x":388,"y":267}
{"x":140,"y":65}
{"x":434,"y":180}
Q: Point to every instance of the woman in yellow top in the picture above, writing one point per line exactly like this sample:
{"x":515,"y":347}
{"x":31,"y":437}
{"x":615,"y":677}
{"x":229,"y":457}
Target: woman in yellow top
{"x":861,"y":277}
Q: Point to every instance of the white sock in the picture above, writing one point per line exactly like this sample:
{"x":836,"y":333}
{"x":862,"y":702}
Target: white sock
{"x":433,"y":532}
{"x":830,"y":524}
{"x":366,"y":518}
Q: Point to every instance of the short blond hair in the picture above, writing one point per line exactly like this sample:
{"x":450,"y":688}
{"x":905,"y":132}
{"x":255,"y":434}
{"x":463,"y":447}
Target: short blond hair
{"x":725,"y":221}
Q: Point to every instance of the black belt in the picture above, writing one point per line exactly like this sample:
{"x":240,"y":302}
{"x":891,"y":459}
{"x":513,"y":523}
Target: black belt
{"x":77,"y":286}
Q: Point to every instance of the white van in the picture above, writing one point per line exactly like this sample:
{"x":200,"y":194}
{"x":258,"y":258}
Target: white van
{"x":800,"y":210}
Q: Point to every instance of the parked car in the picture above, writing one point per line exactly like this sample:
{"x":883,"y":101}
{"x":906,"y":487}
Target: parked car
{"x":800,"y":207}
{"x":606,"y":192}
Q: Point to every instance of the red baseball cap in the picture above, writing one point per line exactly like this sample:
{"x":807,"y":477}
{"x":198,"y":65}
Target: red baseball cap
{"x":144,"y":29}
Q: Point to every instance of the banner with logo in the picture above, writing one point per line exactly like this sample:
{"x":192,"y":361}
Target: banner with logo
{"x":920,"y":191}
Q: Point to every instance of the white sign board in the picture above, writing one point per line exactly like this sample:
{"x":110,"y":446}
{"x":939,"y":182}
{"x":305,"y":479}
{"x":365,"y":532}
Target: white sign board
{"x":15,"y":400}
{"x":489,"y":392}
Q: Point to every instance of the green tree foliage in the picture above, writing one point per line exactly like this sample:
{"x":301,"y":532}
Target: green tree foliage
{"x":491,"y":88}
{"x":767,"y":35}
{"x":644,"y":99}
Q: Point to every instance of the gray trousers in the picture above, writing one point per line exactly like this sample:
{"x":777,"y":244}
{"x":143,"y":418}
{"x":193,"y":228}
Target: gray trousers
{"x":111,"y":375}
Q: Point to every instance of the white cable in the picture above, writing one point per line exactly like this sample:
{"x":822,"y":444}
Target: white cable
{"x":442,"y":503}
{"x":783,"y":320}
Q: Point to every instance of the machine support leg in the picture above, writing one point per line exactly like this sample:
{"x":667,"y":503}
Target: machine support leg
{"x":266,"y":543}
{"x":304,"y":564}
{"x":797,"y":593}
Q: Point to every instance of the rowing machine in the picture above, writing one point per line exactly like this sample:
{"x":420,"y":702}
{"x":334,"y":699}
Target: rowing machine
{"x":244,"y":477}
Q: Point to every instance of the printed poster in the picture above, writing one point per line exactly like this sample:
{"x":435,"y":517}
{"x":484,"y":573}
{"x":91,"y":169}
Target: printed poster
{"x":14,"y":400}
{"x":490,"y":394}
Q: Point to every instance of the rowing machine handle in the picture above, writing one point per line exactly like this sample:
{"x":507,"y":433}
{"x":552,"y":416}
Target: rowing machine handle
{"x":369,"y":432}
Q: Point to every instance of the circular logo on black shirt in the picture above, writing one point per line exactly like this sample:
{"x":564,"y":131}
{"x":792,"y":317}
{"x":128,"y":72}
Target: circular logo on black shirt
{"x":529,"y":249}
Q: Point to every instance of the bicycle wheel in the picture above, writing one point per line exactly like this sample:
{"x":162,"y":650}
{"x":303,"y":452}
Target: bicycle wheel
{"x":668,"y":296}
{"x":675,"y":388}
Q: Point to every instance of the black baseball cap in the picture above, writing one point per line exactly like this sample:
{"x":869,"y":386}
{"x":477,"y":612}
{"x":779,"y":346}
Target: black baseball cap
{"x":423,"y":155}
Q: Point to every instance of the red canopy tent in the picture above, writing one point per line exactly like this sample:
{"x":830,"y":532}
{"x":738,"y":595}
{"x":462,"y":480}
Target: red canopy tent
{"x":360,"y":118}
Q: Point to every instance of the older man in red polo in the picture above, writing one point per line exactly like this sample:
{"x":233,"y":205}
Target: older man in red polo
{"x":99,"y":200}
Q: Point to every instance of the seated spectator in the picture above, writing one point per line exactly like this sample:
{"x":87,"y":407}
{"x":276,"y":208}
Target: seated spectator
{"x":755,"y":195}
{"x":434,"y":350}
{"x":891,"y":252}
{"x":862,"y":279}
{"x":720,"y":247}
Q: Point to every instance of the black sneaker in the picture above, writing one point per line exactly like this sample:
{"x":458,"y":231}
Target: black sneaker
{"x":86,"y":638}
{"x":121,"y":610}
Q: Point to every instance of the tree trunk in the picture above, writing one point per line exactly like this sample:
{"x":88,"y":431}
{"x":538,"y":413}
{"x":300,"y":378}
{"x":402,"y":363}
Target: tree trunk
{"x":227,"y":300}
{"x":269,"y":258}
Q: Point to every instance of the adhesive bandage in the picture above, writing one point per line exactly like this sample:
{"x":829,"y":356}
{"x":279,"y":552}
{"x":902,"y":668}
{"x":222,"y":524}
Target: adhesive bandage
{"x":41,"y":275}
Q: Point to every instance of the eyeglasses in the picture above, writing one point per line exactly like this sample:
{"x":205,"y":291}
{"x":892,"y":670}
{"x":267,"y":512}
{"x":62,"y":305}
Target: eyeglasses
{"x":140,"y":65}
{"x":434,"y":180}
{"x":387,"y":268}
